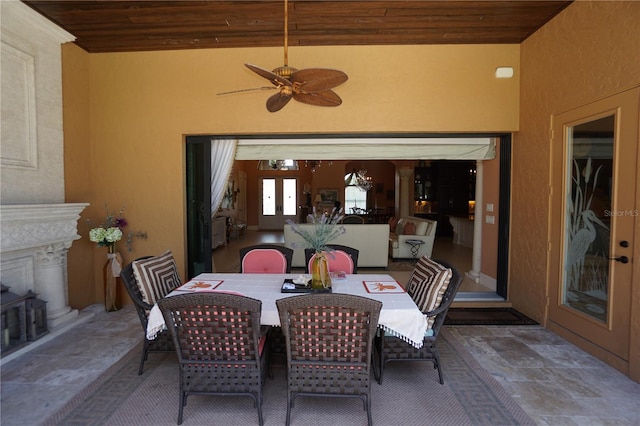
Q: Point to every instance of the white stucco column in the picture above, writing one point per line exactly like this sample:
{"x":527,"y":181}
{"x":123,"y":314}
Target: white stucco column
{"x":476,"y":259}
{"x":406,"y":175}
{"x":51,"y":282}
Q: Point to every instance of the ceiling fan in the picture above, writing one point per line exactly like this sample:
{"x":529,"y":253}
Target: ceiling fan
{"x":310,"y":86}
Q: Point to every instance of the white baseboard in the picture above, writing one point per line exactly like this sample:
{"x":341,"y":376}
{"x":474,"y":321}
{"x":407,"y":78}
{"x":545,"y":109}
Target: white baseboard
{"x":488,"y":281}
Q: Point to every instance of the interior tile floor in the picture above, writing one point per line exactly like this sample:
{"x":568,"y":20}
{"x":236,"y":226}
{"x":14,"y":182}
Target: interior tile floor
{"x":226,"y":259}
{"x":555,"y":382}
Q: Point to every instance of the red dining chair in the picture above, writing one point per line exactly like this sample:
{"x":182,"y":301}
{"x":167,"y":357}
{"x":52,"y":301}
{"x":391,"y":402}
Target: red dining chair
{"x":341,"y":258}
{"x":265,"y":259}
{"x":268,"y":259}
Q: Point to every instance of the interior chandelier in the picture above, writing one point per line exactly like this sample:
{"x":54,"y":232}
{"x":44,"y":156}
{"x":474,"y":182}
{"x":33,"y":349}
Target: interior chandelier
{"x":278,"y":165}
{"x":314,"y":164}
{"x":359,"y":179}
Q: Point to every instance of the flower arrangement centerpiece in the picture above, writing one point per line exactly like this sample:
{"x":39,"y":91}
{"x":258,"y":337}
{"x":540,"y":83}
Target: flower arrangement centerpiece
{"x":107,"y":235}
{"x":325,"y":228}
{"x":112,"y":230}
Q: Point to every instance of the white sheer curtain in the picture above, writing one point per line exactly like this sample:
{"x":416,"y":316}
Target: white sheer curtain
{"x":223,"y":153}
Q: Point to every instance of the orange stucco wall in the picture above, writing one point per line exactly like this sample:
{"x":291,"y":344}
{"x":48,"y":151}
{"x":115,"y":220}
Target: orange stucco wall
{"x":126,"y":115}
{"x":78,"y":175}
{"x":588,"y":52}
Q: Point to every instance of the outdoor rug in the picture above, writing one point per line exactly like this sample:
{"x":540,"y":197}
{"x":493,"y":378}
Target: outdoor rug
{"x":487,"y":316}
{"x":409,"y":395}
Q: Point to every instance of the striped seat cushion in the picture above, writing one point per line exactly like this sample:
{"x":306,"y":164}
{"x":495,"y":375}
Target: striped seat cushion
{"x":427,"y":285}
{"x":156,"y":276}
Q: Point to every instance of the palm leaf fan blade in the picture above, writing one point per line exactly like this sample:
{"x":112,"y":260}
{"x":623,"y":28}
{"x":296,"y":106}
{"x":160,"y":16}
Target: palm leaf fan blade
{"x":275,"y":79}
{"x":312,"y":80}
{"x":327,"y":98}
{"x":277,"y":102}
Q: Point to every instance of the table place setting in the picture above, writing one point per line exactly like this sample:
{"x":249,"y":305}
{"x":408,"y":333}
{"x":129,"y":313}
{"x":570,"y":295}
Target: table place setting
{"x":194,"y":286}
{"x":383,"y":287}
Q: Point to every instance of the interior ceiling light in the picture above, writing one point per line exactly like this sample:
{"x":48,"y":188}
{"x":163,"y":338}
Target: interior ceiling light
{"x":278,"y":165}
{"x":314,"y":164}
{"x":359,"y":179}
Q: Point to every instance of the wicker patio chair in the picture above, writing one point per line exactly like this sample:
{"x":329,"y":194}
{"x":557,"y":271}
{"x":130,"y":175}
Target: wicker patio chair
{"x":163,"y":341}
{"x":340,"y":262}
{"x":219,"y":345}
{"x":388,"y":348}
{"x":265,"y":259}
{"x":329,"y":339}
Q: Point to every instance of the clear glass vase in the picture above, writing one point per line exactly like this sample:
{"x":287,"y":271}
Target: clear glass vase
{"x":320,"y":277}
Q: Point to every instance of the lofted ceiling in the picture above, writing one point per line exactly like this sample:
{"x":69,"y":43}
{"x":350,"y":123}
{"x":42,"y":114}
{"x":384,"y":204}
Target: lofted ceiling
{"x":121,"y":26}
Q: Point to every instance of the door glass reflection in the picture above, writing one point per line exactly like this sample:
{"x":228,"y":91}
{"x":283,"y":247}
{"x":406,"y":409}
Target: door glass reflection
{"x":587,"y":234}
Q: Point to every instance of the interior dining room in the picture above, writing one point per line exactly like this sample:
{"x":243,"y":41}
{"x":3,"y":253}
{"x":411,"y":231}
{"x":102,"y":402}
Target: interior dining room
{"x":440,"y":190}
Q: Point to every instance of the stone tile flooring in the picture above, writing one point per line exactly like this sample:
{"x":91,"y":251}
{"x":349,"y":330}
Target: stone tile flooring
{"x":555,"y":382}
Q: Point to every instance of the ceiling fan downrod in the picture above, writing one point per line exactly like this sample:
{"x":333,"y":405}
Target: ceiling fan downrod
{"x":285,"y":71}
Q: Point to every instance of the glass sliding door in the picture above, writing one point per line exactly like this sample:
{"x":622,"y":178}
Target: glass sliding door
{"x":198,"y":205}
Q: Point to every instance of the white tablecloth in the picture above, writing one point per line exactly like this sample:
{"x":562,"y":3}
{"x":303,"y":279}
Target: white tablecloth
{"x":399,"y":315}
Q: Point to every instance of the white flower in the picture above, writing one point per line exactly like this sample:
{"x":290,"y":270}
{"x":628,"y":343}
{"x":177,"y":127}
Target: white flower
{"x":113,"y":234}
{"x":105,"y":236}
{"x":97,"y":235}
{"x":112,"y":230}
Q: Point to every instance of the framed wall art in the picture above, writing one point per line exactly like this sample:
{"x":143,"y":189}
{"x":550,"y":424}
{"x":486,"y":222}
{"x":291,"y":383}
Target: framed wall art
{"x":328,"y":197}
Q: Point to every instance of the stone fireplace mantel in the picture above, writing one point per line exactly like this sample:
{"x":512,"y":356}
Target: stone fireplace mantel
{"x":34,"y":245}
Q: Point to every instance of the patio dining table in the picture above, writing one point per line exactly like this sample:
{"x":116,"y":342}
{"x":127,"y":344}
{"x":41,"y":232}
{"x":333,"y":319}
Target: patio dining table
{"x":399,"y":315}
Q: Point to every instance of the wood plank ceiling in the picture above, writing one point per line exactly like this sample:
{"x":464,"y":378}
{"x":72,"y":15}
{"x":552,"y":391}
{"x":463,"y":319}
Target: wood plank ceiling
{"x":121,"y":26}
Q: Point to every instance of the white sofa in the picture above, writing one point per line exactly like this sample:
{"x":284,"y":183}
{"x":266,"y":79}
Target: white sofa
{"x":425,"y":231}
{"x":371,"y":240}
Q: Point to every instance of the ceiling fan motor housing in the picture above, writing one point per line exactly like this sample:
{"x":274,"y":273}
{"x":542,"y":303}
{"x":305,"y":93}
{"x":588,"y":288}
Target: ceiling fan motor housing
{"x":285,"y":71}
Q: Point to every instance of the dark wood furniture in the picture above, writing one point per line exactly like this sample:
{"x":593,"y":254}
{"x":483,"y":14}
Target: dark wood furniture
{"x":446,"y":186}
